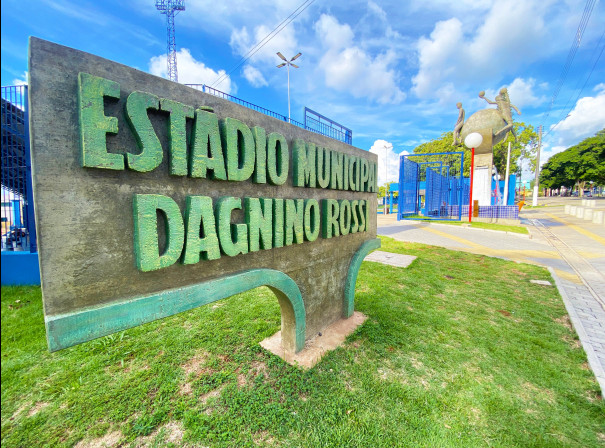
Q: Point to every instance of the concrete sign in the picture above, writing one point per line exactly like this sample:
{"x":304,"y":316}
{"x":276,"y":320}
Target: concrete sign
{"x":153,"y":198}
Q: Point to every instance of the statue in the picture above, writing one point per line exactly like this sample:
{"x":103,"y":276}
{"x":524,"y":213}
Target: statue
{"x":502,"y":101}
{"x":457,"y":140}
{"x":497,"y":122}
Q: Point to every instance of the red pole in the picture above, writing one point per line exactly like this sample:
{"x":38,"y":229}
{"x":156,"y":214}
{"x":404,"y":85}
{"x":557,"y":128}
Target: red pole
{"x":470,"y":199}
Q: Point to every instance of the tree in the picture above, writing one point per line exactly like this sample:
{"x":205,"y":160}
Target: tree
{"x":577,"y":165}
{"x":524,"y":147}
{"x":382,"y":190}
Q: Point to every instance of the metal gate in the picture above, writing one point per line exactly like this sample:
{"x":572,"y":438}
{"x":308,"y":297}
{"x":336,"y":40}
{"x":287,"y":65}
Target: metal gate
{"x":432,"y":186}
{"x":18,"y":222}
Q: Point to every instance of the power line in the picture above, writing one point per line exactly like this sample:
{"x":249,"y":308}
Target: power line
{"x":583,"y":86}
{"x":572,"y":53}
{"x":304,"y":5}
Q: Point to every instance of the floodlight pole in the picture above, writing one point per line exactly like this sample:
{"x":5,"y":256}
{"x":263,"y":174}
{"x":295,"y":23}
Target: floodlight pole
{"x":288,"y":70}
{"x":288,"y":63}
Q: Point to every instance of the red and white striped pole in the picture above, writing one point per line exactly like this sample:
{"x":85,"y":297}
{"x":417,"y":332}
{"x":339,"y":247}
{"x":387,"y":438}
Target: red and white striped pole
{"x":472,"y":140}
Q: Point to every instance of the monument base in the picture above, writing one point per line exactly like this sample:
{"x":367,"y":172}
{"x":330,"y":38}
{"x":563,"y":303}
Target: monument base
{"x":332,"y":337}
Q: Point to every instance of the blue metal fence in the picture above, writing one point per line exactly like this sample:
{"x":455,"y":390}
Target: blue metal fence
{"x":432,"y":187}
{"x":314,"y":122}
{"x":18,"y":222}
{"x":407,"y":203}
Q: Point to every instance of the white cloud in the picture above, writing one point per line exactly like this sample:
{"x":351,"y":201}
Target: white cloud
{"x":347,"y":67}
{"x":21,"y":81}
{"x":523,"y":93}
{"x":190,"y":71}
{"x":334,"y":35}
{"x":498,"y":47}
{"x":585,"y":120}
{"x":285,"y":42}
{"x":387,"y":171}
{"x":254,"y":76}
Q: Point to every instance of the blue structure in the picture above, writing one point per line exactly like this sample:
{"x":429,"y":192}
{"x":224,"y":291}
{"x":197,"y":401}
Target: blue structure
{"x":314,"y":121}
{"x":19,"y":244}
{"x":510,"y":200}
{"x":432,"y":187}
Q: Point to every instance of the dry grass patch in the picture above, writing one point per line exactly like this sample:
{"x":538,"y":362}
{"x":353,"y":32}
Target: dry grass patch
{"x":171,"y":432}
{"x":109,"y":440}
{"x":37,"y":408}
{"x":565,"y":321}
{"x":195,"y":366}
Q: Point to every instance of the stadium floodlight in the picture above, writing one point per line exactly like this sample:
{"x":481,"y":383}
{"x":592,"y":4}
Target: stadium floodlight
{"x":287,"y":63}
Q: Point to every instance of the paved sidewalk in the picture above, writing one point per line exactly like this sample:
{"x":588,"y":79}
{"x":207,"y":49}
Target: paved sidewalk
{"x":572,"y":249}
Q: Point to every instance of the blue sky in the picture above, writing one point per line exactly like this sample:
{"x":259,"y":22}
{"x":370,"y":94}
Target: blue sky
{"x":391,"y":71}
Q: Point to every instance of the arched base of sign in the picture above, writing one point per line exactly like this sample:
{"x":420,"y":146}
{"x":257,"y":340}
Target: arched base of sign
{"x":362,"y":252}
{"x":70,"y":329}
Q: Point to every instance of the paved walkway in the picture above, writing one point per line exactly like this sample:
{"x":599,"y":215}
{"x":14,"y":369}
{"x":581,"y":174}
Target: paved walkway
{"x":572,"y":249}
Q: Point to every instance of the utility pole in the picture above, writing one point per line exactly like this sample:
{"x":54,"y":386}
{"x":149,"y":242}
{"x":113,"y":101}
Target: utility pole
{"x":507,"y":174}
{"x":534,"y":202}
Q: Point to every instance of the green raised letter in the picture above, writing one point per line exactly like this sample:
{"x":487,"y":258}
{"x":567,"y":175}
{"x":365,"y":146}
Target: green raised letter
{"x":260,"y":170}
{"x":312,"y":219}
{"x":364,"y":175}
{"x":277,"y":159}
{"x":294,"y":221}
{"x":329,"y":225}
{"x":345,"y":217}
{"x":233,"y":237}
{"x":352,"y":181}
{"x":323,"y":167}
{"x":362,"y":208}
{"x":94,"y":125}
{"x":259,"y":217}
{"x":278,"y":223}
{"x":239,"y":149}
{"x":206,"y":136}
{"x":355,"y":224}
{"x":146,"y":244}
{"x":177,"y":134}
{"x":303,"y":171}
{"x":201,"y":242}
{"x":150,"y":157}
{"x":336,"y":171}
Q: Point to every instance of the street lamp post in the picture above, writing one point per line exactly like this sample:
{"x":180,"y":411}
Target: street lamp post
{"x":288,"y":63}
{"x":386,"y":175}
{"x":472,"y":140}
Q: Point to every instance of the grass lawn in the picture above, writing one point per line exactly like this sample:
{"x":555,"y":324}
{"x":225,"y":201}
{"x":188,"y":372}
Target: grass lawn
{"x":487,"y":225}
{"x":459,"y":350}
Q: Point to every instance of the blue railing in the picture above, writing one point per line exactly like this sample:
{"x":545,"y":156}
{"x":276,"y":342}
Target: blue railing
{"x":18,"y":222}
{"x":314,"y":122}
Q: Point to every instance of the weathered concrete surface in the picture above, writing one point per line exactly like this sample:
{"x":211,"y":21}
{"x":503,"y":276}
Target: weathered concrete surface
{"x":398,"y":260}
{"x":316,"y":347}
{"x":85,"y":217}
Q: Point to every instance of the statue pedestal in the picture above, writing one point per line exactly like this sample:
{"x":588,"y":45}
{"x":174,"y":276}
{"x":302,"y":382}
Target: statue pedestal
{"x":484,"y":159}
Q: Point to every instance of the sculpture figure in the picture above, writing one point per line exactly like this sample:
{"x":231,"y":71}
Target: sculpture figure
{"x":459,"y":124}
{"x":502,"y":102}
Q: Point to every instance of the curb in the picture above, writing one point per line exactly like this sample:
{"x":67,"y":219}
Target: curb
{"x":576,"y":322}
{"x":520,"y":235}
